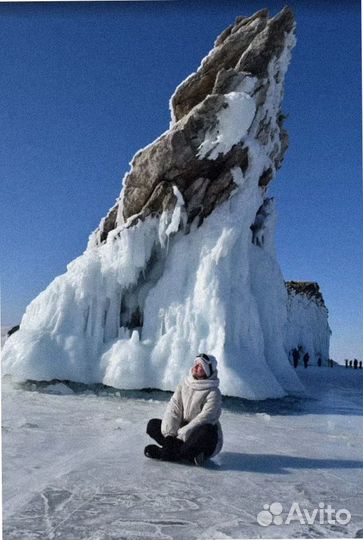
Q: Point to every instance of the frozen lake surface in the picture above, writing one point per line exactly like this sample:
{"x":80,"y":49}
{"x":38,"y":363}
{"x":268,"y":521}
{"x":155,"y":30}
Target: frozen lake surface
{"x":73,"y":464}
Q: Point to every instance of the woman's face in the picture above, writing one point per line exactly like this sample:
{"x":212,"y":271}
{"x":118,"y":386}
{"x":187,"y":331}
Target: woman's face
{"x":198,"y":371}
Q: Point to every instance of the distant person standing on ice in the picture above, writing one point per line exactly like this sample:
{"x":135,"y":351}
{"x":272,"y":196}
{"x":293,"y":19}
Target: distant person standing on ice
{"x":190,"y":429}
{"x":295,"y":357}
{"x":306,"y":359}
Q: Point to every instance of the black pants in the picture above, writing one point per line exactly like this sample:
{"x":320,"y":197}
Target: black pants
{"x":202,"y":438}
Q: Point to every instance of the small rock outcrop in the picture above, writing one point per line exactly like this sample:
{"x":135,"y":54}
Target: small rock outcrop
{"x":307,"y":322}
{"x":310,"y":289}
{"x":13,"y":329}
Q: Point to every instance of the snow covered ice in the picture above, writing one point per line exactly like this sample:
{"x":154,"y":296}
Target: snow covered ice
{"x":74,"y":465}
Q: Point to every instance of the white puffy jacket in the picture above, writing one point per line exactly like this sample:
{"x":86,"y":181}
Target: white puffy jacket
{"x":194,"y":402}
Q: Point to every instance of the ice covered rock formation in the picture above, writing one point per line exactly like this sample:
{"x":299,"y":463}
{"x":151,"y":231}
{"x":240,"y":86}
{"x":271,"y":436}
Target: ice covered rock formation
{"x":185,"y":261}
{"x":307,"y":320}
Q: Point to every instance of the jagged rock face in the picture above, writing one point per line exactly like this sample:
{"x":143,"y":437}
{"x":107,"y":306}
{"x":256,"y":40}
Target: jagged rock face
{"x":239,"y":60}
{"x":244,"y":48}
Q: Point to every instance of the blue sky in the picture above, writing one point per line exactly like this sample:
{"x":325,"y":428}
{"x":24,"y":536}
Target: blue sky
{"x":85,"y":85}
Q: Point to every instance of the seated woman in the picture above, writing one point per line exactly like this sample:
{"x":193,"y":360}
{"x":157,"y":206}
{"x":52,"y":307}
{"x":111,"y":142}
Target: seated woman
{"x":190,"y":429}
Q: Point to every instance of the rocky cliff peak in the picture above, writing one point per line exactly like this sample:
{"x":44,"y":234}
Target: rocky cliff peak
{"x":232,"y":99}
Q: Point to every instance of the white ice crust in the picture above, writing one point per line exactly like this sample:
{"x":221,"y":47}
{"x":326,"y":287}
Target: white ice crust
{"x":234,"y":120}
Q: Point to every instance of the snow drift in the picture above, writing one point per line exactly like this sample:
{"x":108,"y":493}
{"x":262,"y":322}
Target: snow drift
{"x":185,"y":260}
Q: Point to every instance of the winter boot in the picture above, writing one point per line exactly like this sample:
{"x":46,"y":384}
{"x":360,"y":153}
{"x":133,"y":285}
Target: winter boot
{"x":152,"y":451}
{"x":165,"y":454}
{"x":170,"y":454}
